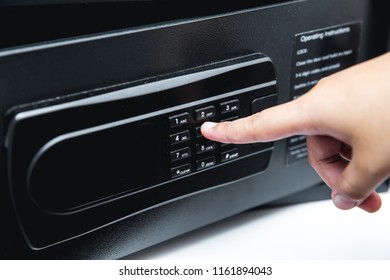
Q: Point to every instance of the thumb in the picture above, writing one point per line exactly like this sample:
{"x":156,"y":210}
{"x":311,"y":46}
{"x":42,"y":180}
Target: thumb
{"x":357,"y":184}
{"x":271,"y":124}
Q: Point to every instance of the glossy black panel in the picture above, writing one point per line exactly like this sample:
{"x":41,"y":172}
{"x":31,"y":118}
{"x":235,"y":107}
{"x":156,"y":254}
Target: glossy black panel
{"x":135,"y":142}
{"x":77,"y":171}
{"x":151,"y":47}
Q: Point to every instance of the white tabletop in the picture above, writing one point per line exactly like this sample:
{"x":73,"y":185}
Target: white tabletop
{"x":311,"y":230}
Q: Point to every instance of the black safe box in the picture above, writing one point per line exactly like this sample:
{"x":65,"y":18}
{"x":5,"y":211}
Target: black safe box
{"x":101,"y":107}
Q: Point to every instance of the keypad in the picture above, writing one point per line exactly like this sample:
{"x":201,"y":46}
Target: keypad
{"x":150,"y":139}
{"x":190,"y":152}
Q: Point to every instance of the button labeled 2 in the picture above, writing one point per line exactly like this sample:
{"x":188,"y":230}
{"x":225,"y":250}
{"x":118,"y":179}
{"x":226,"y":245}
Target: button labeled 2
{"x":204,"y":113}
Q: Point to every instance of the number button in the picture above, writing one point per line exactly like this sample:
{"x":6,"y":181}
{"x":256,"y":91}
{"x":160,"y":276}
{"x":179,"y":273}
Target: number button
{"x":180,"y":154}
{"x":180,"y":170}
{"x":229,"y":155}
{"x":204,"y":113}
{"x":198,"y":133}
{"x":205,"y":147}
{"x":178,"y":120}
{"x":180,"y":137}
{"x":205,"y":163}
{"x":230,"y":106}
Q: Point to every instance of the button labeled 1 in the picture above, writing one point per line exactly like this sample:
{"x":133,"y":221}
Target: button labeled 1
{"x":178,"y":120}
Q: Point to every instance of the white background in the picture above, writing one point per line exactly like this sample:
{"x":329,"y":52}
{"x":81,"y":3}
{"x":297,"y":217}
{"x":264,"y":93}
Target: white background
{"x":306,"y":241}
{"x":307,"y":231}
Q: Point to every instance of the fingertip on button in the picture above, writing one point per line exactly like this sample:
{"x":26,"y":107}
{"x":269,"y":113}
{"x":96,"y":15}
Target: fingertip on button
{"x":208,"y":125}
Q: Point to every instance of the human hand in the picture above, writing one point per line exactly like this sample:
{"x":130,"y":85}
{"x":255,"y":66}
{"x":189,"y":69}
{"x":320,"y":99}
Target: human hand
{"x":346,"y":119}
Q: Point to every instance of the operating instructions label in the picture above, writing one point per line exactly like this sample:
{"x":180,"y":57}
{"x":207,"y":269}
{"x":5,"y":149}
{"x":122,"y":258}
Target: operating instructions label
{"x":318,"y":54}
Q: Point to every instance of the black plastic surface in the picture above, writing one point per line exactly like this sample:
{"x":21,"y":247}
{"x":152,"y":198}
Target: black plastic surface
{"x":69,"y":172}
{"x":49,"y":73}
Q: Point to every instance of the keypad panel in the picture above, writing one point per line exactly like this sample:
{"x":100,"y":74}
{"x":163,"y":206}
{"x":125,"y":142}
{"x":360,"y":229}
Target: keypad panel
{"x":142,"y":146}
{"x":190,"y":152}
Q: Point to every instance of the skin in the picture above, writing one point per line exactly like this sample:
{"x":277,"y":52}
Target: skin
{"x":346,"y":118}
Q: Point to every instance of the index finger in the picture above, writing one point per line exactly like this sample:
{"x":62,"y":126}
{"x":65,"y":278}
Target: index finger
{"x":281,"y":121}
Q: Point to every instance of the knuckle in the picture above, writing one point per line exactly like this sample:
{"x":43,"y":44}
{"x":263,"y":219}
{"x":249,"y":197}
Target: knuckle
{"x":250,"y":127}
{"x":310,"y":155}
{"x":355,"y":192}
{"x":358,"y":187}
{"x":229,"y":132}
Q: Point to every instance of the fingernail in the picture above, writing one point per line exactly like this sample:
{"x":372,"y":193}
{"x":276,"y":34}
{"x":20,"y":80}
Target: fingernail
{"x":208,"y":125}
{"x":343,"y":202}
